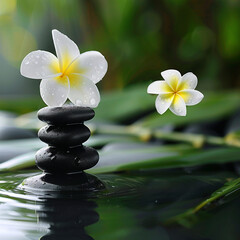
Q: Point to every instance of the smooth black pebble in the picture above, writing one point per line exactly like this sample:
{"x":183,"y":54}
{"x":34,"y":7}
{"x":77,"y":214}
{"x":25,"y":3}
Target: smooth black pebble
{"x":54,"y":160}
{"x":64,"y":136}
{"x":68,"y":114}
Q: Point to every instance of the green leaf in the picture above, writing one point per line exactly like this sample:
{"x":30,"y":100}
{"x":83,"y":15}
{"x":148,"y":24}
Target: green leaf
{"x":28,"y":144}
{"x":136,"y":156}
{"x":21,"y":162}
{"x":101,"y":140}
{"x":214,"y":106}
{"x":123,"y":105}
{"x":94,"y":141}
{"x":28,"y":160}
{"x":21,"y":105}
{"x":116,"y":106}
{"x":171,"y":156}
{"x":219,"y":197}
{"x":120,"y":106}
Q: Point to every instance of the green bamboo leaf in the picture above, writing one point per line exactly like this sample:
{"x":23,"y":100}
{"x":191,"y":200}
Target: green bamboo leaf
{"x":136,"y":156}
{"x":119,"y":106}
{"x":171,"y":156}
{"x":214,"y":106}
{"x":143,"y":156}
{"x":28,"y":144}
{"x":21,"y":162}
{"x":94,"y":141}
{"x":101,"y":140}
{"x":230,"y":190}
{"x":21,"y":105}
{"x":133,"y":102}
{"x":32,"y":145}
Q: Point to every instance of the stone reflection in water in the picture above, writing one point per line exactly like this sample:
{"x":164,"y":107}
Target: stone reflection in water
{"x":67,"y":218}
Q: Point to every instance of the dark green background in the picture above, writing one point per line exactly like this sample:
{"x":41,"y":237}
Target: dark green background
{"x":139,"y":38}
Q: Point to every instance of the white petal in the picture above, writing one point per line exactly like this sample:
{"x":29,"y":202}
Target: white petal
{"x":83,"y":92}
{"x":40,"y":64}
{"x":172,"y":77}
{"x":54,"y":92}
{"x":158,"y":87}
{"x":91,"y":64}
{"x":188,"y":81}
{"x":66,"y":49}
{"x":178,"y":106}
{"x":163,"y":102}
{"x":191,"y":97}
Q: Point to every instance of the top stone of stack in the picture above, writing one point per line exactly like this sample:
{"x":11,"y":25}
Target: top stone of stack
{"x":69,"y":114}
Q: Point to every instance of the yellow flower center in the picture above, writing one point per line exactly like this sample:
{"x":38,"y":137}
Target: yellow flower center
{"x":68,"y":71}
{"x":177,"y":87}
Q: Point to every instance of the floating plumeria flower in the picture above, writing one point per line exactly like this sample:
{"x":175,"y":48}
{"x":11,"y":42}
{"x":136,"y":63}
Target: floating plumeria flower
{"x":175,"y":92}
{"x":69,"y":75}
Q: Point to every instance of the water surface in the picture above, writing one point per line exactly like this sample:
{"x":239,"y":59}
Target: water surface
{"x":133,"y":206}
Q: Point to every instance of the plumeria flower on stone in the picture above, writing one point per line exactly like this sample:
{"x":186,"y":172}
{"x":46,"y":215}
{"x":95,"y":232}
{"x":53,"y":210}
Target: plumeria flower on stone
{"x":175,"y":92}
{"x":69,"y":75}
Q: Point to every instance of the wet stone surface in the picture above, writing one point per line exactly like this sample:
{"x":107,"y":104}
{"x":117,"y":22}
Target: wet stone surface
{"x":63,"y":136}
{"x":68,"y":114}
{"x":78,"y":182}
{"x":65,"y":159}
{"x":68,"y":160}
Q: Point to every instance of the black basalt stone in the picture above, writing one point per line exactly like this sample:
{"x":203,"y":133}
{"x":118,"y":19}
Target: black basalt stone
{"x":68,"y":114}
{"x":64,"y":136}
{"x":70,"y":160}
{"x":77,"y":182}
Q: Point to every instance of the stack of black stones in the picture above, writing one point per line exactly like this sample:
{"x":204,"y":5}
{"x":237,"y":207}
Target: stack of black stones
{"x":65,"y":158}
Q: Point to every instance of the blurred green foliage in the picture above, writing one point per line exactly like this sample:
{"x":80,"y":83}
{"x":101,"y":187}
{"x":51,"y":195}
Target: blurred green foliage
{"x":139,"y":38}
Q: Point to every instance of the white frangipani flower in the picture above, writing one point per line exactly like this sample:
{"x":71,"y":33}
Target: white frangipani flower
{"x":69,"y":75}
{"x":175,"y":92}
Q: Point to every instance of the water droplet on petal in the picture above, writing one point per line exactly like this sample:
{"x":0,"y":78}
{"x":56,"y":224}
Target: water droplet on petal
{"x":179,"y":110}
{"x":78,"y":102}
{"x":92,"y":101}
